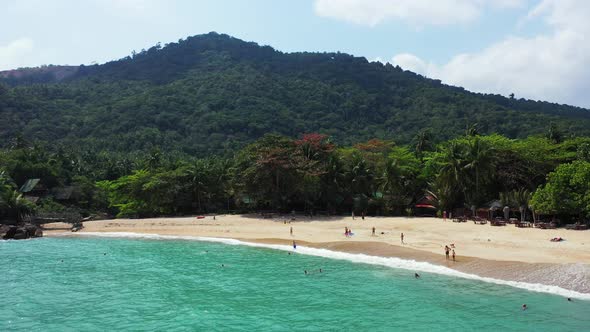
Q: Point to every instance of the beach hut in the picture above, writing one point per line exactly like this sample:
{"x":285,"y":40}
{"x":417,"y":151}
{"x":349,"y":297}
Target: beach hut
{"x":425,"y":206}
{"x":33,"y":189}
{"x":493,"y":209}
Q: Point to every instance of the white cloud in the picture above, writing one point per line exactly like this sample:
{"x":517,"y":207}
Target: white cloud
{"x":554,"y":66}
{"x":418,"y":12}
{"x":11,"y":55}
{"x":411,"y":62}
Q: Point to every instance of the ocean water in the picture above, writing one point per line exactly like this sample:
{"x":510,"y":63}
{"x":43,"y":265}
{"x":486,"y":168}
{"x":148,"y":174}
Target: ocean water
{"x":101,"y":284}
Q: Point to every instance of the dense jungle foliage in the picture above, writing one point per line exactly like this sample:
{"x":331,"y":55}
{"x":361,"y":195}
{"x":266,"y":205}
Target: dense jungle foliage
{"x":213,"y":94}
{"x":310,"y":174}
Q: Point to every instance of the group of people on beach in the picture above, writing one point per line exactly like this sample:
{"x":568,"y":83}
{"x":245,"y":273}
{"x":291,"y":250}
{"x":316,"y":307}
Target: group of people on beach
{"x":450,"y":249}
{"x":348,"y":232}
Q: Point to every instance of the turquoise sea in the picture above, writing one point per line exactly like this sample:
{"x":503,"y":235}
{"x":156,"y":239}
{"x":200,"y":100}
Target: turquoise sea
{"x":114,"y":284}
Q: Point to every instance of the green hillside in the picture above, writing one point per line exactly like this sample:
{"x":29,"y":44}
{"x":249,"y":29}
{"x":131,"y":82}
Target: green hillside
{"x":212,"y":93}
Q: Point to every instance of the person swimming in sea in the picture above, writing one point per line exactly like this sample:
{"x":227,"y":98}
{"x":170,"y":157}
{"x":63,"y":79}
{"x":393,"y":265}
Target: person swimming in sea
{"x":524,"y":307}
{"x":416,"y":275}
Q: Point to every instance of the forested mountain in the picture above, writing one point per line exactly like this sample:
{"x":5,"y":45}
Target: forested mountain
{"x":212,"y":93}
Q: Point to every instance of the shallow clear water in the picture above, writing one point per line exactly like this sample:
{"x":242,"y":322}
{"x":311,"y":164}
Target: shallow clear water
{"x":181,"y":285}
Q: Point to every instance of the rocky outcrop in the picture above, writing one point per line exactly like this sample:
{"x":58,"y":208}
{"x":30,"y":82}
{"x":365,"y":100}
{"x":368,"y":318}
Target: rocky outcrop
{"x":20,"y":232}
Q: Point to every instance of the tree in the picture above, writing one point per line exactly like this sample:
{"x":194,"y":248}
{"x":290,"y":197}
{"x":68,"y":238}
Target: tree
{"x":398,"y":178}
{"x":423,"y":142}
{"x":522,"y":198}
{"x":443,"y":193}
{"x":567,"y":191}
{"x":311,"y":163}
{"x":472,"y":130}
{"x":452,"y":167}
{"x":554,"y":134}
{"x":583,"y":152}
{"x":264,"y":171}
{"x":154,"y":159}
{"x":16,"y":205}
{"x":481,"y":162}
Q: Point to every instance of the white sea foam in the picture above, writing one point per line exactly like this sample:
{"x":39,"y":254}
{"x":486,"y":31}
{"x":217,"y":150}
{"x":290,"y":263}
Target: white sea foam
{"x":392,"y":262}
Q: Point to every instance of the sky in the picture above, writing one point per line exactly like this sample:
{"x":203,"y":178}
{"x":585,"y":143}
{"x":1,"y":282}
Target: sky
{"x":536,"y":49}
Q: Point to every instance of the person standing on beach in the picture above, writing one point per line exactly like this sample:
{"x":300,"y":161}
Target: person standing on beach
{"x":402,"y":238}
{"x":291,"y":231}
{"x":373,"y":231}
{"x":447,"y":249}
{"x":352,"y":215}
{"x":294,"y":245}
{"x":444,"y":215}
{"x":453,"y":255}
{"x":363,"y":215}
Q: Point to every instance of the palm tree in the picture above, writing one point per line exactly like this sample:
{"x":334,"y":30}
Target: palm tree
{"x":452,"y":173}
{"x":481,"y":159}
{"x":154,"y":159}
{"x":423,"y":142}
{"x":16,"y":204}
{"x":522,"y":197}
{"x":443,"y":194}
{"x":360,"y":175}
{"x":472,"y":130}
{"x":197,"y":174}
{"x":334,"y":181}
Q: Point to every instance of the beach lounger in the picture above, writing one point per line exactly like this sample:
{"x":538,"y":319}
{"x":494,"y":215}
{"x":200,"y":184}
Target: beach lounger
{"x":498,"y":223}
{"x":479,"y":221}
{"x":577,"y":226}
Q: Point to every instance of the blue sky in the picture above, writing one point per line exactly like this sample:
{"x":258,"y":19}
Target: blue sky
{"x":534,"y":48}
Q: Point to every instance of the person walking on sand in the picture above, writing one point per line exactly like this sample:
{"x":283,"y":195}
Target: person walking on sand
{"x":291,"y":231}
{"x":373,"y":234}
{"x":447,"y":249}
{"x":453,"y":255}
{"x":402,"y":238}
{"x":444,"y":215}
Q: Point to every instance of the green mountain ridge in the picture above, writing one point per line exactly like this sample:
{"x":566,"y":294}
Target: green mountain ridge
{"x":210,"y":94}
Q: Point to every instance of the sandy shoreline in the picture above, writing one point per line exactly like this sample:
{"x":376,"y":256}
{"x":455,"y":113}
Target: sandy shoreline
{"x":507,"y":253}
